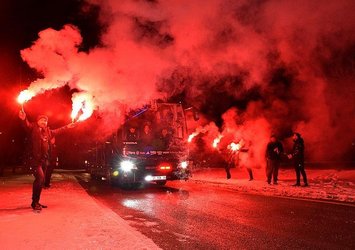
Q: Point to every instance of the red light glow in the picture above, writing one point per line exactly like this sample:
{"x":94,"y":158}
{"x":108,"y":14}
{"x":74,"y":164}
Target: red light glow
{"x":165,"y":167}
{"x":25,"y":96}
{"x":216,"y":141}
{"x":83,"y":107}
{"x":192,"y":136}
{"x":235,"y":146}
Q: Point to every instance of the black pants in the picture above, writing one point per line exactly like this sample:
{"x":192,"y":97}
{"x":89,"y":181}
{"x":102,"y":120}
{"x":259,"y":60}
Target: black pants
{"x":299,"y":168}
{"x":272,"y":170}
{"x":48,"y":175}
{"x":250,"y":172}
{"x":39,"y":173}
{"x":227,"y":168}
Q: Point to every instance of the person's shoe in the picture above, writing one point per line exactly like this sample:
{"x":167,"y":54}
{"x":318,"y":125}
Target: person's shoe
{"x":47,"y":186}
{"x":251,"y":179}
{"x":296,"y":185}
{"x":275,"y":183}
{"x":43,"y":206}
{"x":36,"y":206}
{"x":306,"y":185}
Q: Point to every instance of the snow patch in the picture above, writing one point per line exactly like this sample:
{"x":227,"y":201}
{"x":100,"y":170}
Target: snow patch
{"x":328,"y":184}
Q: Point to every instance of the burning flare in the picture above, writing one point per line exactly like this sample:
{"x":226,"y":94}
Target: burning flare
{"x":25,"y":96}
{"x":83,"y":107}
{"x":193,"y":135}
{"x":234,"y":146}
{"x":216,"y":141}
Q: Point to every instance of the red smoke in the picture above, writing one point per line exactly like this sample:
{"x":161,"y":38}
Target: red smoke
{"x":285,"y":65}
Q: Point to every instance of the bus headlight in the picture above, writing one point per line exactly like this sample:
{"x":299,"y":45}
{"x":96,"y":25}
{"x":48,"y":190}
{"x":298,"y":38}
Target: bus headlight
{"x":127,"y":166}
{"x":148,"y":178}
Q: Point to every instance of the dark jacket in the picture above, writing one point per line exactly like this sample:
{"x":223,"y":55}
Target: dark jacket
{"x":39,"y":146}
{"x":298,"y":150}
{"x":274,"y":151}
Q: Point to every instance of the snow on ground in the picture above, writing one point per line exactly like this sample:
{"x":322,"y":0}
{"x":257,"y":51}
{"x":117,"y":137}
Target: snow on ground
{"x":73,"y":220}
{"x":330,"y":184}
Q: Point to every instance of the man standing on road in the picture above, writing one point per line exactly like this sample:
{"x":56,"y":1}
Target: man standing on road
{"x":40,"y":136}
{"x":298,"y":159}
{"x":274,"y":151}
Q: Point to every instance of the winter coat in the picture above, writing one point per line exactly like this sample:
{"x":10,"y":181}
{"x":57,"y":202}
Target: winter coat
{"x":39,"y":146}
{"x":298,"y":150}
{"x":274,"y":151}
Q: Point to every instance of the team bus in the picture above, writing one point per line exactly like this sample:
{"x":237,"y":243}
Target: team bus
{"x":149,"y":147}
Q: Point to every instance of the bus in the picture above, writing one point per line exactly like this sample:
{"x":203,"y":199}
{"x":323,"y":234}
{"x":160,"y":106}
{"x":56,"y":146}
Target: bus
{"x":149,"y":147}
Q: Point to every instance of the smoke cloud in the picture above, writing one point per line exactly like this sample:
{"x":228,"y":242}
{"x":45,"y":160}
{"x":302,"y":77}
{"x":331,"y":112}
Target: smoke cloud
{"x":253,"y":67}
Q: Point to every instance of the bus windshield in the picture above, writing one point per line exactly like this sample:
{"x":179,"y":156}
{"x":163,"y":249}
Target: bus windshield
{"x":158,"y":127}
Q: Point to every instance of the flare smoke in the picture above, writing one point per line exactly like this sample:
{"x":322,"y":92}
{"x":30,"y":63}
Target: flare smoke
{"x":284,"y":65}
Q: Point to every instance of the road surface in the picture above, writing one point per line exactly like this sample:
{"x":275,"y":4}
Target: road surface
{"x":187,"y":215}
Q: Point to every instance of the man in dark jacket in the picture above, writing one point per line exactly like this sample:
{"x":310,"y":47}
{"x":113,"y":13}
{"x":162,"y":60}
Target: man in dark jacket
{"x":298,"y":159}
{"x":40,"y":136}
{"x":274,"y":151}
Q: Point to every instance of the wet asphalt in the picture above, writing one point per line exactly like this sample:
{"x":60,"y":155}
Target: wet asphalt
{"x":189,"y":215}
